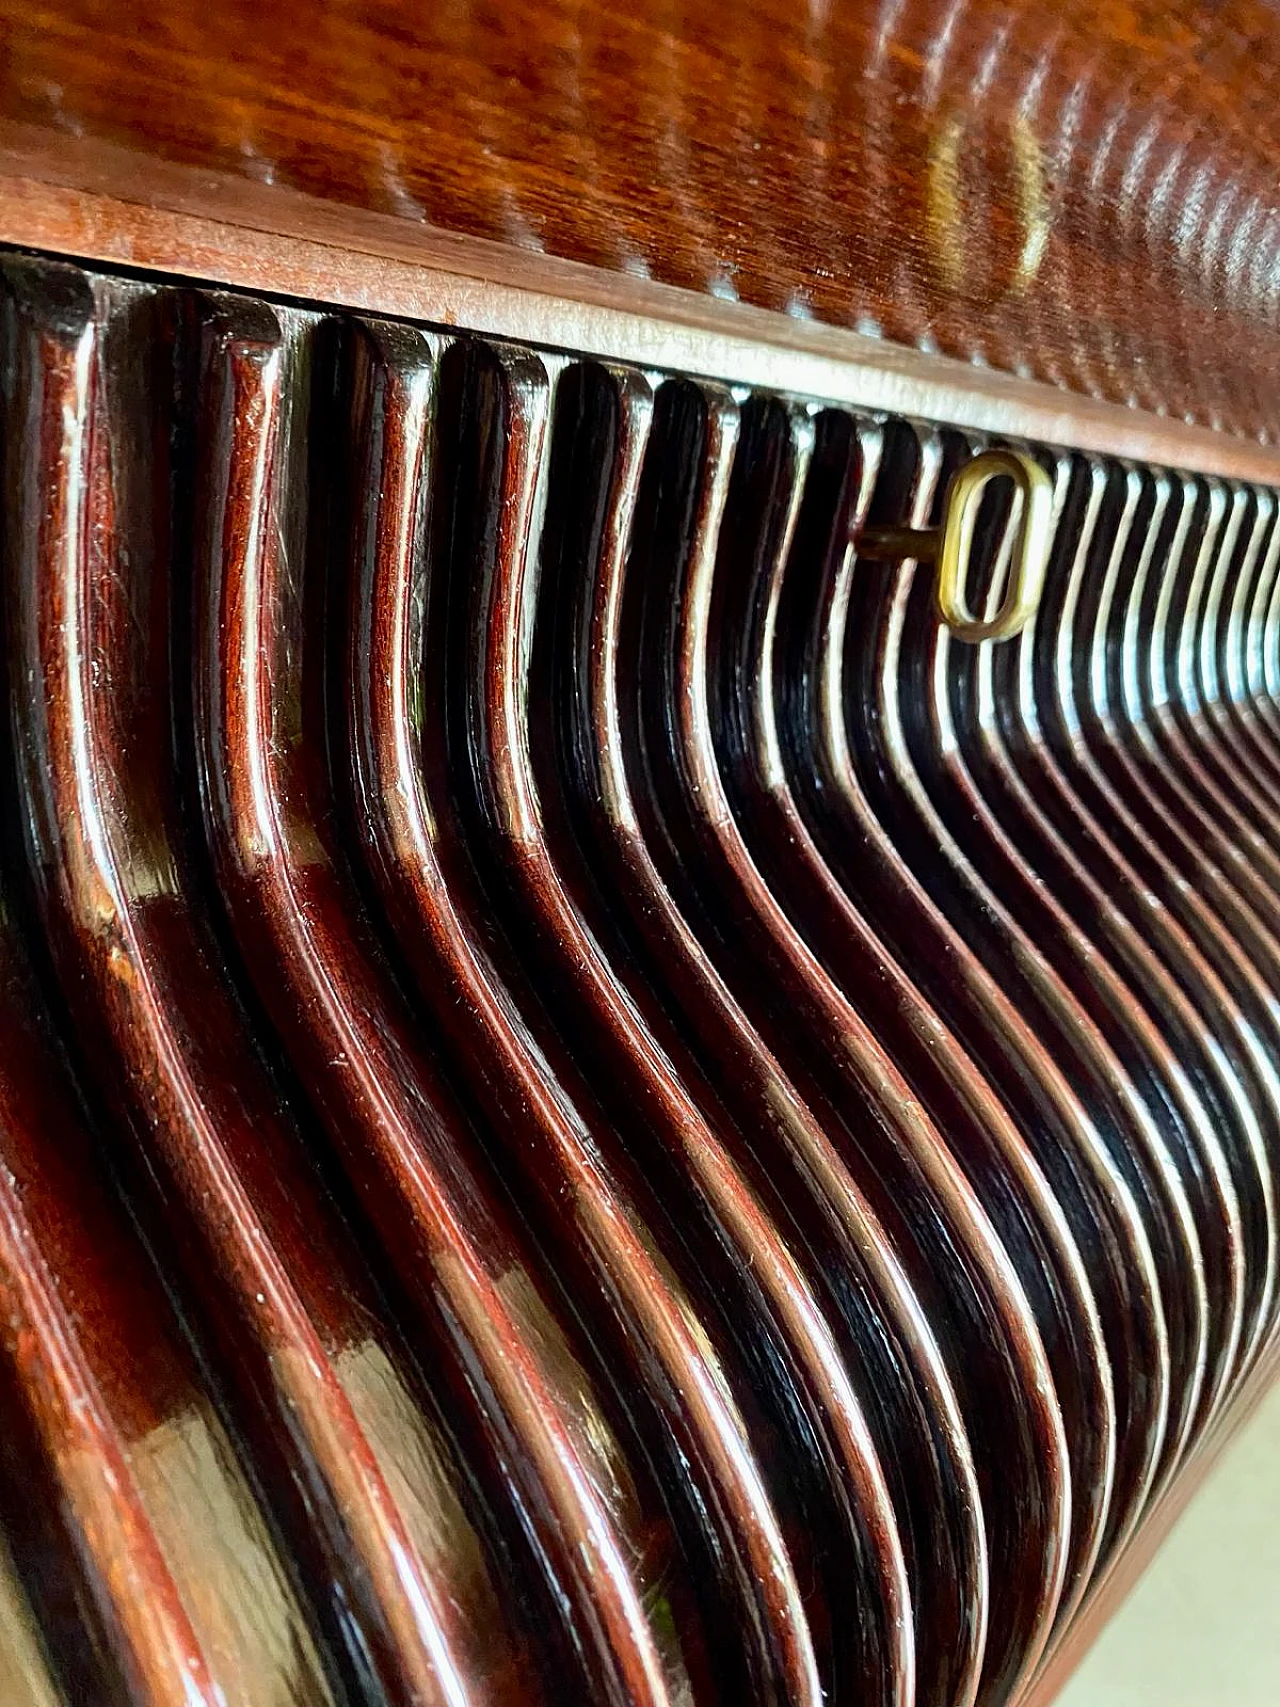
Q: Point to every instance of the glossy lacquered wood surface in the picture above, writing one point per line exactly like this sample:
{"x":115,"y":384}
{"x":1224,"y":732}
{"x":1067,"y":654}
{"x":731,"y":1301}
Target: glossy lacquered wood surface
{"x":410,"y":814}
{"x":597,"y":1111}
{"x":132,"y":936}
{"x":1084,"y":192}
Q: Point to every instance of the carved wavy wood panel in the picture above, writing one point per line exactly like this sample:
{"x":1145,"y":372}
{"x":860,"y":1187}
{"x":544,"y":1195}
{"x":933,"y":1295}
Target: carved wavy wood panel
{"x":595,"y":1109}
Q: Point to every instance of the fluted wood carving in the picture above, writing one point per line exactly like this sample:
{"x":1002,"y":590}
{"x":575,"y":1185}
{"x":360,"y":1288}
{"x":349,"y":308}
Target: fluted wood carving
{"x":593,"y":1109}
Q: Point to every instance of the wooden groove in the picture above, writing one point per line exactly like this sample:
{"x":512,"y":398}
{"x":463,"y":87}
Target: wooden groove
{"x":439,"y":924}
{"x":172,"y":1049}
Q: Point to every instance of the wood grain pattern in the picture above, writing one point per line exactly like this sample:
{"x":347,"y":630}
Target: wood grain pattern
{"x":1085,"y":193}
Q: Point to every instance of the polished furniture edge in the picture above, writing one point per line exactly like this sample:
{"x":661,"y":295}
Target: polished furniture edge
{"x":103,"y":204}
{"x":1083,"y":194}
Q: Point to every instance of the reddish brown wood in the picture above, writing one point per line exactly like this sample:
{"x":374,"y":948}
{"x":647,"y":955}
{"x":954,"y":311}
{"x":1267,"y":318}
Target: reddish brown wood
{"x":1128,"y":1569}
{"x":123,"y":1434}
{"x":675,"y":1141}
{"x":1139,"y":1006}
{"x":763,"y":875}
{"x":622,"y":832}
{"x":1105,"y":743}
{"x":703,"y":1140}
{"x":524,"y":1380}
{"x":1085,"y":191}
{"x":601,"y":1213}
{"x":688,"y":595}
{"x":1205,"y":1018}
{"x":317,"y":1371}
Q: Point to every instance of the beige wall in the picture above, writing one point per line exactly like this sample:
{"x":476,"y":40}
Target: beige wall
{"x":1202,"y":1628}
